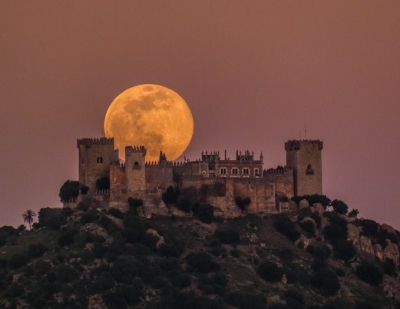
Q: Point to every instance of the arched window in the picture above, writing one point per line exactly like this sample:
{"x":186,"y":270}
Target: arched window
{"x":309,"y":170}
{"x":136,"y":163}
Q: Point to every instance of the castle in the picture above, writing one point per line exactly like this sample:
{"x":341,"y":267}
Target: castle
{"x":244,"y":176}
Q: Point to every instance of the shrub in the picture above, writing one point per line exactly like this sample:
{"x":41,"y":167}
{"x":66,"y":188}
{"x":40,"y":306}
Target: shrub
{"x":180,"y":279}
{"x":294,"y":299}
{"x":171,"y":195}
{"x":344,"y":250}
{"x":326,"y":281}
{"x":242,"y":203}
{"x":69,"y":190}
{"x":172,"y":250}
{"x":89,"y":217}
{"x":41,"y":268}
{"x":36,"y":250}
{"x":236,"y":253}
{"x":125,"y":269}
{"x":14,"y":290}
{"x":269,"y":271}
{"x":370,"y":273}
{"x":67,"y":237}
{"x":66,"y":274}
{"x":17,"y":261}
{"x":169,"y":264}
{"x":227,"y":236}
{"x":317,"y":218}
{"x":135,"y":202}
{"x":84,"y":206}
{"x":246,"y":300}
{"x":184,"y":205}
{"x":370,"y":228}
{"x":340,"y":207}
{"x":335,"y":232}
{"x":286,"y":227}
{"x":313,"y":199}
{"x":308,"y":227}
{"x":205,"y":213}
{"x":202,"y":262}
{"x":353,"y":213}
{"x":220,"y":279}
{"x":286,"y":255}
{"x":389,"y":267}
{"x":116,"y":213}
{"x":322,"y":252}
{"x":52,"y":217}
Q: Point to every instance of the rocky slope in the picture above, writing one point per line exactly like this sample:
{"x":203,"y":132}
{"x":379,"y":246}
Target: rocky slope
{"x":102,"y":258}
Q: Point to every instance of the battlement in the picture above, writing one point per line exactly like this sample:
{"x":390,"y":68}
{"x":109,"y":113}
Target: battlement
{"x":95,"y":141}
{"x":135,"y":149}
{"x":279,"y":170}
{"x":212,"y":156}
{"x":247,"y":156}
{"x":298,"y":144}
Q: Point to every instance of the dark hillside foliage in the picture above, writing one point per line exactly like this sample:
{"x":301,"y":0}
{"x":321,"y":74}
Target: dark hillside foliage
{"x":74,"y":257}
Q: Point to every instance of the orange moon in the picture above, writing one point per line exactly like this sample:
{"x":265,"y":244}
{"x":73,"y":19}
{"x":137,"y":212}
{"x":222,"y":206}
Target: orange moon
{"x":152,"y":116}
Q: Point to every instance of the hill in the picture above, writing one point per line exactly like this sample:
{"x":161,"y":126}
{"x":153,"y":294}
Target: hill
{"x":103,"y":258}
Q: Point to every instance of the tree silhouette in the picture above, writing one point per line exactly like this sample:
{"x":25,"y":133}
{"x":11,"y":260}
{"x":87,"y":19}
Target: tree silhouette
{"x":28,"y":217}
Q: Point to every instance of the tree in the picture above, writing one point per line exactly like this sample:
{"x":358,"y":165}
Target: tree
{"x":340,"y":207}
{"x":326,"y":281}
{"x":370,"y":273}
{"x":242,"y":203}
{"x":269,"y":271}
{"x":353,"y":213}
{"x":344,"y":250}
{"x":205,"y":213}
{"x":28,"y":217}
{"x":69,"y":190}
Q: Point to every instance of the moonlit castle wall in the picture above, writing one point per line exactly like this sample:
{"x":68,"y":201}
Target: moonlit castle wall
{"x":243,"y":176}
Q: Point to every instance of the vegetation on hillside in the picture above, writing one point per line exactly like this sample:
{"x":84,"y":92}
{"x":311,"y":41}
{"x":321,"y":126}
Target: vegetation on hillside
{"x":105,"y":258}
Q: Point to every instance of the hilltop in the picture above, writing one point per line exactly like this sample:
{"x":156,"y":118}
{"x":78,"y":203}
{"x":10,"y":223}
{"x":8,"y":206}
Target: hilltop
{"x":92,"y":257}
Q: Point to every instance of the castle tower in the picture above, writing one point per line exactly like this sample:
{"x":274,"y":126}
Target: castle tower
{"x":94,"y":160}
{"x":135,"y":160}
{"x":304,"y":156}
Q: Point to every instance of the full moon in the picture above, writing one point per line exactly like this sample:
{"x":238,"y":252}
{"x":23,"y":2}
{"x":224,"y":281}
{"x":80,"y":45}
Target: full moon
{"x":152,"y":116}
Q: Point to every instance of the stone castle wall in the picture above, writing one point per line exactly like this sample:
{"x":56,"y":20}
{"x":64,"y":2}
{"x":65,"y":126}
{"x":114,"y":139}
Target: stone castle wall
{"x":305,"y":158}
{"x":135,"y":169}
{"x":94,"y":160}
{"x":159,"y":177}
{"x":283,"y":180}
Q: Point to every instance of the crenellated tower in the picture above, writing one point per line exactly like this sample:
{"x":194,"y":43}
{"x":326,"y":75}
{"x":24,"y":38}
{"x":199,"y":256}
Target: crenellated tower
{"x":304,"y":156}
{"x":135,"y":168}
{"x":94,"y":160}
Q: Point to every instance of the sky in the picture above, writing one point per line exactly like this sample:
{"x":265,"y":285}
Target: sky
{"x":254,"y":73}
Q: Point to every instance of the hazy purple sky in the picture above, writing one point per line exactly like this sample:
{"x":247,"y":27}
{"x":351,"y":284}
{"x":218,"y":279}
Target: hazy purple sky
{"x":253,"y":73}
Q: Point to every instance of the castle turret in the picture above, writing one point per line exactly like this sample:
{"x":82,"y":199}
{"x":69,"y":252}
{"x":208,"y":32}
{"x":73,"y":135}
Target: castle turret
{"x":135,"y":161}
{"x":304,"y":156}
{"x":94,"y":160}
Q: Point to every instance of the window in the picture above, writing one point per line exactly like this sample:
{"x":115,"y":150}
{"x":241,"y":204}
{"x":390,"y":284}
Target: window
{"x":309,"y":170}
{"x":256,"y":172}
{"x":136,"y":163}
{"x":246,"y":171}
{"x":235,"y":171}
{"x":83,"y":160}
{"x":211,"y":174}
{"x":99,"y":159}
{"x":222,"y":171}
